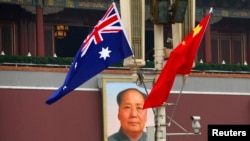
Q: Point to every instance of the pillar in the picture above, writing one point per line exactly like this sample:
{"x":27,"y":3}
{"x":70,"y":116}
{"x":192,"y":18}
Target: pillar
{"x":39,"y":32}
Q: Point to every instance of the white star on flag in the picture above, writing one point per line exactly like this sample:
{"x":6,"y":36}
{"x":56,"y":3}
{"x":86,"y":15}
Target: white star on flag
{"x":104,"y":53}
{"x":75,"y":65}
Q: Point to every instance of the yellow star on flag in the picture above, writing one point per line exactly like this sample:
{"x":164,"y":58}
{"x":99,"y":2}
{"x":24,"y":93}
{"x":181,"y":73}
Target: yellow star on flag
{"x":196,"y":30}
{"x":183,"y":43}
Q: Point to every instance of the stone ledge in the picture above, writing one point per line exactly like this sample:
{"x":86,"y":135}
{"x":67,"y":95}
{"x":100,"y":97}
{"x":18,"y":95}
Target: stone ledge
{"x":125,"y":71}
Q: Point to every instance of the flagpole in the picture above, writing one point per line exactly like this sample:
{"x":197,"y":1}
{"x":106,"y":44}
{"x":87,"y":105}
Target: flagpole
{"x":161,"y":129}
{"x":160,"y":122}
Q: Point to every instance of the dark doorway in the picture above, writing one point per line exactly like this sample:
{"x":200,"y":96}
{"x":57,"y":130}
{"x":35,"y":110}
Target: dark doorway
{"x":69,"y":45}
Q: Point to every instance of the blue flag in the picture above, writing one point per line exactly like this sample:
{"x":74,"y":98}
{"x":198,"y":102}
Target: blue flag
{"x":106,"y":45}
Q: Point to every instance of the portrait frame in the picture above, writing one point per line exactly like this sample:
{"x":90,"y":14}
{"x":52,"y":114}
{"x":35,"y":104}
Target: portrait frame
{"x":111,"y":86}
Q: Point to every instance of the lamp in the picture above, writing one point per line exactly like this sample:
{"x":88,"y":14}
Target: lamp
{"x":179,"y":10}
{"x":61,"y":31}
{"x":160,"y":12}
{"x":164,"y":12}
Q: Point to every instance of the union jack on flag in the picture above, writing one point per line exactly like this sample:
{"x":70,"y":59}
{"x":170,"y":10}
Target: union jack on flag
{"x":106,"y":45}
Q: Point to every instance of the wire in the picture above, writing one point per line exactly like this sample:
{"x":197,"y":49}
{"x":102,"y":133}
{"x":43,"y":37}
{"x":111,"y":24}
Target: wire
{"x":140,"y":80}
{"x":178,"y":99}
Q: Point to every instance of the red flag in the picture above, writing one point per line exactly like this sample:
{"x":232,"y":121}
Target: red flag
{"x":180,"y":61}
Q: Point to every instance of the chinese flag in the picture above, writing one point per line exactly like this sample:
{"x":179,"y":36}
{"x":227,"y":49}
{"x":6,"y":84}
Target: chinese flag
{"x":180,"y":61}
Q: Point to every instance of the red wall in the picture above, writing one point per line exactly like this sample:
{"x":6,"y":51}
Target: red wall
{"x":26,"y":117}
{"x":78,"y":116}
{"x":213,"y":109}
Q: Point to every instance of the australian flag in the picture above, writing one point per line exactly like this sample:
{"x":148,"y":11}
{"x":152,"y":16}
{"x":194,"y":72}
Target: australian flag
{"x":106,"y":45}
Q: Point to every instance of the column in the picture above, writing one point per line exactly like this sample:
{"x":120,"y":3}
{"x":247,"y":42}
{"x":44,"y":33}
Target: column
{"x":39,"y":31}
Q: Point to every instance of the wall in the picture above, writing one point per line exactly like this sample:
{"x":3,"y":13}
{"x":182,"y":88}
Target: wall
{"x":26,"y":117}
{"x":217,"y":98}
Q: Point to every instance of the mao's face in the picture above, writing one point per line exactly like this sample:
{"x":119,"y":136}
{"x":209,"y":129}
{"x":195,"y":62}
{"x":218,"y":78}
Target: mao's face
{"x":131,"y":114}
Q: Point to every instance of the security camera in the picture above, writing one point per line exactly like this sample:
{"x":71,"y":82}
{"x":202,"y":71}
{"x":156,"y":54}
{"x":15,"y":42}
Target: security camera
{"x":196,"y":124}
{"x":195,"y":117}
